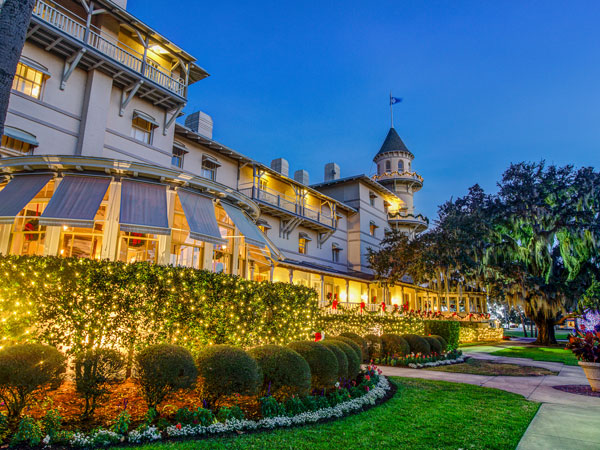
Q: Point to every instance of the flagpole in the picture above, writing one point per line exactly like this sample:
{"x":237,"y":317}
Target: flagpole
{"x":391,"y":110}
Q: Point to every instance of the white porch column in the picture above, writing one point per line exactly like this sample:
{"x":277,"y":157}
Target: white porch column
{"x":5,"y":238}
{"x":164,"y":240}
{"x":347,"y":291}
{"x":291,"y":276}
{"x":208,"y":256}
{"x":110,"y":242}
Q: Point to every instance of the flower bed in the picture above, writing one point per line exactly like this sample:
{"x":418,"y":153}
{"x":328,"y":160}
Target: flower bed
{"x":418,"y":361}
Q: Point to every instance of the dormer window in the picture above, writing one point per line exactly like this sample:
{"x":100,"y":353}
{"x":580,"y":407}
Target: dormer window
{"x":209,"y":167}
{"x":400,"y":166}
{"x":30,"y":78}
{"x":179,"y":152}
{"x":17,"y":142}
{"x":142,"y":127}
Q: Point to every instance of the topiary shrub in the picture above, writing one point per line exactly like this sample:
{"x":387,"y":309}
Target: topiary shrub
{"x":95,"y":371}
{"x":24,"y":369}
{"x":227,"y":370}
{"x":374,"y":346}
{"x":442,"y":341}
{"x":417,"y":344}
{"x":448,"y":329}
{"x":361,"y":342}
{"x":394,"y":345}
{"x":322,"y":362}
{"x":352,"y":344}
{"x":434,"y":344}
{"x":353,"y":359}
{"x":341,"y":357}
{"x":284,"y":371}
{"x":162,"y":369}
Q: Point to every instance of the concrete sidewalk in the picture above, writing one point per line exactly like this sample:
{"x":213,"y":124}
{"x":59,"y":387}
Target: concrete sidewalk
{"x":564,"y":420}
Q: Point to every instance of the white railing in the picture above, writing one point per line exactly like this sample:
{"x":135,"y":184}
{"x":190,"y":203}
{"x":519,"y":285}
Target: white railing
{"x":114,"y":49}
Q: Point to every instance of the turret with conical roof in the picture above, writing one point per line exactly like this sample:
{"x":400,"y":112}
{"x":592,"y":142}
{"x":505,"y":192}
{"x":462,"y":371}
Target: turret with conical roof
{"x":395,"y":172}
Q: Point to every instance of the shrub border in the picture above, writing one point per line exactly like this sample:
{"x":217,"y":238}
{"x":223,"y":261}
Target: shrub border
{"x":381,"y":393}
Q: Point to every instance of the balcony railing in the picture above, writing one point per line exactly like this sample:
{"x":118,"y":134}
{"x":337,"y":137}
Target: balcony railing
{"x":404,"y":216}
{"x":289,"y":204}
{"x":109,"y":47}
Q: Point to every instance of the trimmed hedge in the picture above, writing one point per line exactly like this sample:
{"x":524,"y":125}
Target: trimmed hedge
{"x":322,"y":361}
{"x":353,"y":359}
{"x":352,"y":344}
{"x":436,"y":346}
{"x":442,"y":341}
{"x":283,"y":370}
{"x":362,"y":343}
{"x":342,"y":359}
{"x":227,"y":370}
{"x":374,"y":346}
{"x":336,"y":324}
{"x":157,"y":304}
{"x":394,"y":345}
{"x":417,"y":344}
{"x":448,"y":329}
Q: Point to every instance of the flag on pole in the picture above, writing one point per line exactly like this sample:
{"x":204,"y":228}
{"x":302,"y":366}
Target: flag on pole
{"x":394,"y":100}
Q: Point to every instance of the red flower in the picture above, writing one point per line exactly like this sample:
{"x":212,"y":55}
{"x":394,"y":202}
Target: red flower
{"x":178,"y":426}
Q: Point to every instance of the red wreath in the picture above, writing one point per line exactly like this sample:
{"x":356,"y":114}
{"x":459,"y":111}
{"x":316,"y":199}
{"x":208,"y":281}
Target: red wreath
{"x":136,"y":242}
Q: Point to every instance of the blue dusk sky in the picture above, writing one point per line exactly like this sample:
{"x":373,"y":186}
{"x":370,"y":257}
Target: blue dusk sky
{"x":484,"y":83}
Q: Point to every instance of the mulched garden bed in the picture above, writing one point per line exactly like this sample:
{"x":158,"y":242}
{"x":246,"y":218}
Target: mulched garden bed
{"x":579,"y":389}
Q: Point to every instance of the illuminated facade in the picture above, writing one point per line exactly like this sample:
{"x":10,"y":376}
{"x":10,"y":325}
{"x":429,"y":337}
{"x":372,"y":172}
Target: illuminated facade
{"x":93,"y":164}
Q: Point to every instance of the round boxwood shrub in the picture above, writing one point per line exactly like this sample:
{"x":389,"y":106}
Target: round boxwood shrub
{"x":374,"y":346}
{"x":322,"y":361}
{"x":284,"y":371}
{"x":417,"y":344}
{"x":361,"y":342}
{"x":353,"y":359}
{"x":394,"y":345}
{"x":434,"y":344}
{"x":340,"y":355}
{"x":352,"y":344}
{"x":24,"y":368}
{"x":162,"y":369}
{"x":442,"y":341}
{"x":227,"y":370}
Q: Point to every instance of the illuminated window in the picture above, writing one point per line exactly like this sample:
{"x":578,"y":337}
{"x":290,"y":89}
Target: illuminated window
{"x":142,"y":127}
{"x":84,"y":242}
{"x":263,"y":225}
{"x":179,"y":152}
{"x":372,"y":228}
{"x":136,"y":247}
{"x":400,"y":166}
{"x":262,"y":184}
{"x":302,"y":245}
{"x":29,"y":80}
{"x":17,"y":142}
{"x":209,"y":167}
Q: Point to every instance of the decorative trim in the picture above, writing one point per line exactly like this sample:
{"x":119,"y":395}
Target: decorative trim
{"x":42,"y":122}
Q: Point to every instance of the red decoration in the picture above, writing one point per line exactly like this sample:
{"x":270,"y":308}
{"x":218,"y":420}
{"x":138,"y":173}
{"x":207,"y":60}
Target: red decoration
{"x":135,"y":242}
{"x":318,"y":337}
{"x":362,"y":306}
{"x":383,"y":306}
{"x":334,"y":304}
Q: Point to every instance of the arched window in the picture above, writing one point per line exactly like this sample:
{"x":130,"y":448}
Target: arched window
{"x":400,"y":166}
{"x":379,"y":171}
{"x":388,"y":165}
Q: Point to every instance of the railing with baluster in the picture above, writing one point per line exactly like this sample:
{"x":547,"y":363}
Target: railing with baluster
{"x":112,"y":48}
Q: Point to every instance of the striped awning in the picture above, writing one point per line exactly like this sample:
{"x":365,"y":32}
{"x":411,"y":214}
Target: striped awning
{"x":75,"y":201}
{"x":18,"y":193}
{"x":200,"y":214}
{"x":250,"y":231}
{"x":144,"y":207}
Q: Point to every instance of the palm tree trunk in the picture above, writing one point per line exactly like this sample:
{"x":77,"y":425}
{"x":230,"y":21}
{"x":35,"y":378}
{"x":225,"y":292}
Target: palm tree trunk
{"x":14,"y":22}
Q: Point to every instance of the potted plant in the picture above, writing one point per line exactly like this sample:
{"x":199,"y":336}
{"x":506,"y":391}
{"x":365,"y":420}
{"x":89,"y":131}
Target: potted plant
{"x":587,"y":350}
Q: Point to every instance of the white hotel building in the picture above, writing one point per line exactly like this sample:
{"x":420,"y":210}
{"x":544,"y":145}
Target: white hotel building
{"x":95,"y":162}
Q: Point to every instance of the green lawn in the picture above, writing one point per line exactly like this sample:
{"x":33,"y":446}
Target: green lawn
{"x":423,"y":415}
{"x":553,"y":354}
{"x":560,"y":334}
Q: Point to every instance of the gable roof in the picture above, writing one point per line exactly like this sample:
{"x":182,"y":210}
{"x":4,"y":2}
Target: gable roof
{"x":392,"y":143}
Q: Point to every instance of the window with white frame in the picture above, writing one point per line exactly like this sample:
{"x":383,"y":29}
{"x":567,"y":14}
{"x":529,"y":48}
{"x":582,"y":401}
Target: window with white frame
{"x":372,"y":197}
{"x":388,"y":165}
{"x":400,"y":166}
{"x":303,"y":240}
{"x":30,"y":78}
{"x":179,"y":152}
{"x":209,"y":167}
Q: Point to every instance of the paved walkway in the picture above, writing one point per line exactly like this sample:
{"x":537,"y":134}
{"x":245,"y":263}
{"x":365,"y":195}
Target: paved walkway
{"x":564,"y":421}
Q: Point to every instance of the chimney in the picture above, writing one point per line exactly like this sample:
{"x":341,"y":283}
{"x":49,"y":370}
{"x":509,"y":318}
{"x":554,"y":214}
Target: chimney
{"x":281,"y":165}
{"x":332,"y":171}
{"x":301,"y":176}
{"x":201,"y":123}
